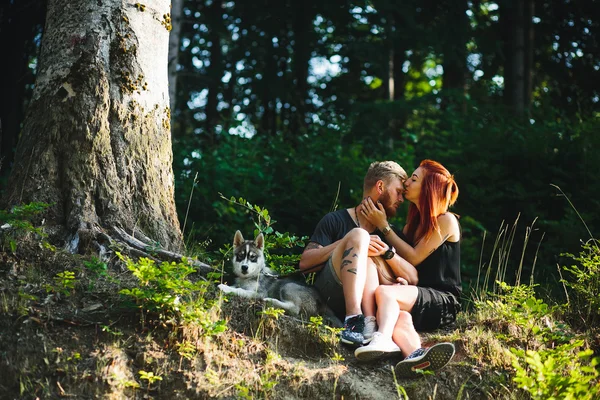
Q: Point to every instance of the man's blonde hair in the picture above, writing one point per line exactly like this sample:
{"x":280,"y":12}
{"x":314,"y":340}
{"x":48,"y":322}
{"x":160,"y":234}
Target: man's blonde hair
{"x":385,"y":171}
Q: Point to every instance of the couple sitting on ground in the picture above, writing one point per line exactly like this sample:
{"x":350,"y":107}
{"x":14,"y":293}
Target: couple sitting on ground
{"x":387,"y":285}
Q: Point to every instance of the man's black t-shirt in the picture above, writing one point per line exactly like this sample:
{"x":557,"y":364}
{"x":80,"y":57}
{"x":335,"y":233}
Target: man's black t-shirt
{"x":332,"y":227}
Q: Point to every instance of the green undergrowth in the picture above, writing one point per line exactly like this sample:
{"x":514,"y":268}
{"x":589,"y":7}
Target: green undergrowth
{"x":118,"y":326}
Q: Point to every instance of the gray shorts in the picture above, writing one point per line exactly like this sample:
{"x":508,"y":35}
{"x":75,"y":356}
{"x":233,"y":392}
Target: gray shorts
{"x":330,"y":288}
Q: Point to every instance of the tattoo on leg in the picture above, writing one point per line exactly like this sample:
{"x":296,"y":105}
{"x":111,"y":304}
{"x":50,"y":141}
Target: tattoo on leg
{"x":345,"y":261}
{"x":346,"y":252}
{"x":344,"y":264}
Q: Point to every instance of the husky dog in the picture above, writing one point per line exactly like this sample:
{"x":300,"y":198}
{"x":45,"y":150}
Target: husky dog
{"x":255,"y":280}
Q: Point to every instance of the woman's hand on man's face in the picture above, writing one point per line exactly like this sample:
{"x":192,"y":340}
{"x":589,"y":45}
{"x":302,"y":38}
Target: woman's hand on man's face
{"x":374,"y":213}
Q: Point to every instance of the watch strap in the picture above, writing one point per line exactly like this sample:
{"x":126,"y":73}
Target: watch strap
{"x":389,"y":254}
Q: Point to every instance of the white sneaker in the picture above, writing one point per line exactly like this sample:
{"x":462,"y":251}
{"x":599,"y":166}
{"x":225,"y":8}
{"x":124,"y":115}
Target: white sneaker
{"x":370,"y":329}
{"x":380,"y":345}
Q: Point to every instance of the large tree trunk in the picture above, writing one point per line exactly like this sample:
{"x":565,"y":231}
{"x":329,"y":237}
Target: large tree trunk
{"x":96,"y":141}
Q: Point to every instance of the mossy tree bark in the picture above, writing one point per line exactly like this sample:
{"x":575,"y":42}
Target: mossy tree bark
{"x":96,"y":140}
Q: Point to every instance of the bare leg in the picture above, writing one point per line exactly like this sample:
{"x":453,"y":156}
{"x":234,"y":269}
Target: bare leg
{"x":393,"y":316}
{"x":405,"y":335}
{"x":368,"y":298}
{"x":349,"y":261}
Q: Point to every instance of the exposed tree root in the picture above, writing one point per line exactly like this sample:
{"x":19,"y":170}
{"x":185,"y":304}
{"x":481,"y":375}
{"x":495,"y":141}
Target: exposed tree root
{"x":148,"y":248}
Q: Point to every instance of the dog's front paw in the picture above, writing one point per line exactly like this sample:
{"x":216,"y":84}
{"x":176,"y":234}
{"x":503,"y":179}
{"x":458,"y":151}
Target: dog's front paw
{"x":226,"y":289}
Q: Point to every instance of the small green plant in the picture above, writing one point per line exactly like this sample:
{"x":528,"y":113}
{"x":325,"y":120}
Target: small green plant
{"x":187,"y":350}
{"x":243,"y":391}
{"x":563,"y":372}
{"x":98,"y":269}
{"x":17,"y":222}
{"x":64,"y":283}
{"x":23,"y":304}
{"x":75,"y":357}
{"x":126,"y":383}
{"x":268,"y":317}
{"x":327,"y":334}
{"x":96,"y":266}
{"x":150,"y":377}
{"x":114,"y":332}
{"x":402,"y":395}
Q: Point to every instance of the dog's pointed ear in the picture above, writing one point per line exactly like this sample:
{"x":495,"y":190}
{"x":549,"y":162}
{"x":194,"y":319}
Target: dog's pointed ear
{"x":238,"y":239}
{"x":260,"y":241}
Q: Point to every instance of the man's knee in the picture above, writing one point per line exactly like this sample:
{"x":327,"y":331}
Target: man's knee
{"x":358,"y":236}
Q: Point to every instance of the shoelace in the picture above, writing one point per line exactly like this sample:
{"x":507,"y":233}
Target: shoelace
{"x":353,"y":324}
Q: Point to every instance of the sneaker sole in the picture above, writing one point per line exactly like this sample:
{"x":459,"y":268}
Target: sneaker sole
{"x":369,"y":355}
{"x":374,"y":354}
{"x":436,"y":357}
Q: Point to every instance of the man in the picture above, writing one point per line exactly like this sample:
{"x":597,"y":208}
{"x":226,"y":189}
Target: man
{"x":348,"y":251}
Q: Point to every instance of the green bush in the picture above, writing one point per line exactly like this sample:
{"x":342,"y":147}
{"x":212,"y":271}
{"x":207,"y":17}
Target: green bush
{"x":165,"y":290}
{"x":564,"y":372}
{"x":583,"y":279}
{"x":20,"y":221}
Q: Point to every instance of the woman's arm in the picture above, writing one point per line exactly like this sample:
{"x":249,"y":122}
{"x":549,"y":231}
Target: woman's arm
{"x":448,"y":230}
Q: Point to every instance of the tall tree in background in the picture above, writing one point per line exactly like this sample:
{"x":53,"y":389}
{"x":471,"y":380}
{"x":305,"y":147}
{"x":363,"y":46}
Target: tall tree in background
{"x":174,"y":44}
{"x":454,"y":36}
{"x":96,"y":141}
{"x":517,"y":31}
{"x":21,"y":24}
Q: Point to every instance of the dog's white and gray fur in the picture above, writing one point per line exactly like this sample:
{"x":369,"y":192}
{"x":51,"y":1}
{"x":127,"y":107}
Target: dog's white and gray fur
{"x":253,"y":279}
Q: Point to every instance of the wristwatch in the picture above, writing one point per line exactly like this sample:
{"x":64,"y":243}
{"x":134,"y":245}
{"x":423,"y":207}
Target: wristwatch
{"x":389,"y":253}
{"x":386,"y":230}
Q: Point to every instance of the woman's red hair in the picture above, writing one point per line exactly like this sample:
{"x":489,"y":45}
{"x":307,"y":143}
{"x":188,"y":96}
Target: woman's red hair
{"x":439,"y":191}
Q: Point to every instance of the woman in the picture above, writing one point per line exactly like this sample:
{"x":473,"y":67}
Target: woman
{"x":430,"y":241}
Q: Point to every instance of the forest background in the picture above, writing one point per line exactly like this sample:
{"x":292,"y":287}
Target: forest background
{"x":285,"y":104}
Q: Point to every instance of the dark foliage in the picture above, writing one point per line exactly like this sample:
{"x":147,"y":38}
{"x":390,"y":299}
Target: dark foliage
{"x":285,"y":104}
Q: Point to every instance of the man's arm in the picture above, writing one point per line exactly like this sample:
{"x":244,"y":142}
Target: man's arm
{"x":314,"y":254}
